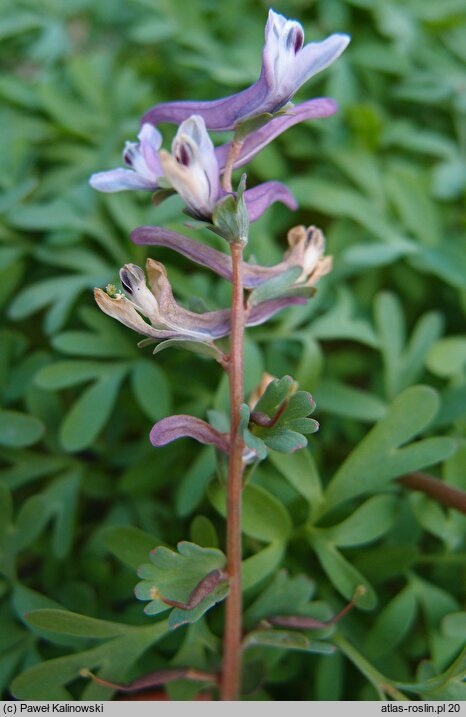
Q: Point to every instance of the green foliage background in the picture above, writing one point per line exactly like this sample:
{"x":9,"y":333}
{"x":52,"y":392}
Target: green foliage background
{"x":84,"y":495}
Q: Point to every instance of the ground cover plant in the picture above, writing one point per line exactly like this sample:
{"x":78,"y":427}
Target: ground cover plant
{"x":372,"y":510}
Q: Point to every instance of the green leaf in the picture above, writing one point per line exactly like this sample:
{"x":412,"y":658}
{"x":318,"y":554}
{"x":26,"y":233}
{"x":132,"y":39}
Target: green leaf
{"x":19,"y":429}
{"x":403,"y":365}
{"x":130,"y":545}
{"x":284,"y":596}
{"x":192,"y":485}
{"x":386,"y":562}
{"x":350,"y":402}
{"x":260,"y":565}
{"x":30,"y":522}
{"x":292,"y":408}
{"x":6,"y":509}
{"x":264,"y":517}
{"x":454,"y":624}
{"x":276,"y":286}
{"x":367,"y":523}
{"x":286,"y":441}
{"x":251,"y":125}
{"x":203,"y":532}
{"x":151,"y":389}
{"x":374,"y":254}
{"x":113,"y":660}
{"x":330,"y":678}
{"x":447,"y":357}
{"x":436,"y":603}
{"x":198,"y":347}
{"x":393,"y":623}
{"x":231,"y":217}
{"x":89,"y":343}
{"x":454,"y":674}
{"x":340,"y":323}
{"x":336,"y":200}
{"x":453,"y":406}
{"x":344,"y":577}
{"x":276,"y":392}
{"x":300,"y":470}
{"x":62,"y":496}
{"x":91,"y":411}
{"x":379,"y":458}
{"x":65,"y":374}
{"x":174,"y":576}
{"x":256,"y":444}
{"x":60,"y":293}
{"x":430,"y":515}
{"x":446,"y":261}
{"x":285,"y":640}
{"x":70,"y":623}
{"x":408,"y":190}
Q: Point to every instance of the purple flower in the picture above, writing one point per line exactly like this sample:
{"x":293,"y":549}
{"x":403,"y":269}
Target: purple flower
{"x":192,"y":169}
{"x":286,"y":65}
{"x":166,"y":319}
{"x":255,"y":141}
{"x":182,"y":426}
{"x":143,"y":159}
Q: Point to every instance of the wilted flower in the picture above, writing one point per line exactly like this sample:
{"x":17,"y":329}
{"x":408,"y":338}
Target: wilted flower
{"x":192,"y":170}
{"x":306,"y":250}
{"x":286,"y":65}
{"x":168,"y":320}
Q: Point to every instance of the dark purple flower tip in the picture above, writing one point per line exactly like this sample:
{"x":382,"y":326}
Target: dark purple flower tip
{"x":182,"y":426}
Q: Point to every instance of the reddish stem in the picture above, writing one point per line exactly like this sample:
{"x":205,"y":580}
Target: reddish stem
{"x":445,"y":494}
{"x":233,"y":617}
{"x":233,"y":155}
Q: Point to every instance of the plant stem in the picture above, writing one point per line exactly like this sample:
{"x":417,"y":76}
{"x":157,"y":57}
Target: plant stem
{"x":383,"y":685}
{"x":232,"y":637}
{"x":233,"y":155}
{"x":436,"y":489}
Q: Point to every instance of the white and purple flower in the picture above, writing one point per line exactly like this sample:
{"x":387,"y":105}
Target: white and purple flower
{"x":153,"y":311}
{"x":286,"y":65}
{"x":192,"y":169}
{"x":142,"y":159}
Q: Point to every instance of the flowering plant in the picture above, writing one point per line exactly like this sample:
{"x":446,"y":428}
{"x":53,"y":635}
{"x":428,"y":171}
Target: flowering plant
{"x":202,"y":176}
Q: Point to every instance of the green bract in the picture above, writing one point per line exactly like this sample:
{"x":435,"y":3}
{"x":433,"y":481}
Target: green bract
{"x":173,"y":576}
